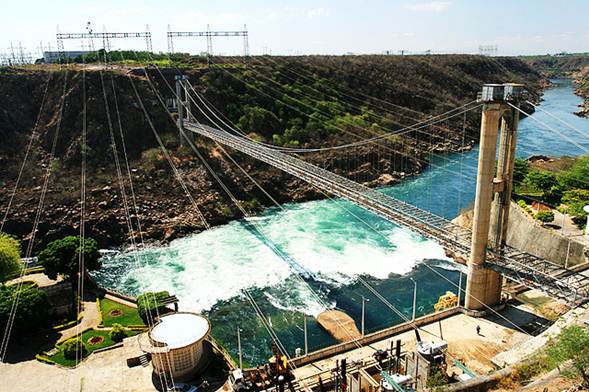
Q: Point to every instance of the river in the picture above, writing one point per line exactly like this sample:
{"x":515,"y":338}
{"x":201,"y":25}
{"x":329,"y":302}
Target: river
{"x":209,"y":270}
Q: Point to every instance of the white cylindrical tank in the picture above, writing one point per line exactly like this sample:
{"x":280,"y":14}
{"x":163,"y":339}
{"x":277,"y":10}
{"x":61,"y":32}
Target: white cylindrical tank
{"x":177,"y":341}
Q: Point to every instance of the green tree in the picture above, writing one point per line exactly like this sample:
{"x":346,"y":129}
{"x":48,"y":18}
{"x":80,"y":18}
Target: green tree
{"x":545,"y":216}
{"x":572,"y":344}
{"x":259,"y":120}
{"x":575,"y":200}
{"x":540,"y":180}
{"x":9,"y":256}
{"x":32,"y":312}
{"x":577,"y":176}
{"x":520,"y":169}
{"x":118,"y":333}
{"x":575,"y":196}
{"x":150,"y":303}
{"x":61,"y":256}
{"x":74,"y":349}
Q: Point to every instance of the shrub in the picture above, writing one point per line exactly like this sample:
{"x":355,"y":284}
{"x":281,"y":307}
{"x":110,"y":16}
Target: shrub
{"x":260,"y":121}
{"x":576,"y":176}
{"x":576,"y":199}
{"x":74,"y":348}
{"x":572,"y":344}
{"x":251,"y":205}
{"x":545,"y":216}
{"x":9,"y":256}
{"x":528,"y":370}
{"x":524,"y":206}
{"x":33,"y":308}
{"x":150,"y":303}
{"x":118,"y":333}
{"x":437,"y":379}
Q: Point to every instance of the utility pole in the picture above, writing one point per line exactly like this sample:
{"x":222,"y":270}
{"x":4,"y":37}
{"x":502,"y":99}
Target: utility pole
{"x":459,"y":287}
{"x":483,"y":285}
{"x":239,"y":348}
{"x":305,"y":329}
{"x":170,"y":41}
{"x":414,"y":298}
{"x":246,"y":45}
{"x":209,"y":46}
{"x":364,"y":300}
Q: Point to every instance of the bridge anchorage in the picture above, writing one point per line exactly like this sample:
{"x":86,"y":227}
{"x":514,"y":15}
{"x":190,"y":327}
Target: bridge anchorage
{"x":489,"y":259}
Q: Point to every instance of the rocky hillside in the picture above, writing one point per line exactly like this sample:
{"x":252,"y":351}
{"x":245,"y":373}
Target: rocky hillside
{"x":582,"y":82}
{"x":575,"y":66}
{"x":290,"y":102}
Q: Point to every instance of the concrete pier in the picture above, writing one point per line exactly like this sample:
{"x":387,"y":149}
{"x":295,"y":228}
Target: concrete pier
{"x":483,"y":286}
{"x":493,"y":191}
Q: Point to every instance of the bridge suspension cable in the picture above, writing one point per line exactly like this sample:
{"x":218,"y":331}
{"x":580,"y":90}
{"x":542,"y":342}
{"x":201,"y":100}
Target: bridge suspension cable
{"x":33,"y":137}
{"x":341,"y":90}
{"x":299,"y":271}
{"x":40,"y":209}
{"x":548,"y":127}
{"x":364,"y":141}
{"x":371,"y":288}
{"x":388,"y":303}
{"x":359,"y":143}
{"x":429,"y":267}
{"x":538,"y":107}
{"x":336,"y":99}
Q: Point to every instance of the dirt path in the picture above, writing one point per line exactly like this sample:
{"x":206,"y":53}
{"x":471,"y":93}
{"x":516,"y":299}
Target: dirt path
{"x":90,"y":319}
{"x":40,"y":278}
{"x":120,"y":300}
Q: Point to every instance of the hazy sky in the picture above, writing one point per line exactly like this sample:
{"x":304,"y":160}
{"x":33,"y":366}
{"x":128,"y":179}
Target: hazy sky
{"x":319,"y":26}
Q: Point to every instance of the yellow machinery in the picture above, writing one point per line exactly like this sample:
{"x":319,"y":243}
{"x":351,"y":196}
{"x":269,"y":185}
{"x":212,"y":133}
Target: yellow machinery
{"x":446,"y":301}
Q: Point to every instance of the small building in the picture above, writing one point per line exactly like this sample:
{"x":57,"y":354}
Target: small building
{"x":175,"y":343}
{"x":55,"y":56}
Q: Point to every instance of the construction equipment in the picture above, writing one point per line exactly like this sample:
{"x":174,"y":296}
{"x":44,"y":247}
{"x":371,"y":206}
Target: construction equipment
{"x":446,"y":301}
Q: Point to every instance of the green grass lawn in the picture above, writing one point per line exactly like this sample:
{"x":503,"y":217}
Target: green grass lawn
{"x":129,"y":316}
{"x":60,"y":359}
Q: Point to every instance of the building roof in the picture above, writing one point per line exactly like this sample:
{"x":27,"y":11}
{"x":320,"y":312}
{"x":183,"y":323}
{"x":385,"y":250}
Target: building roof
{"x":180,"y":329}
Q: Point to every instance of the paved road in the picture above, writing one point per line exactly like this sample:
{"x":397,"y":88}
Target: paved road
{"x":40,"y":278}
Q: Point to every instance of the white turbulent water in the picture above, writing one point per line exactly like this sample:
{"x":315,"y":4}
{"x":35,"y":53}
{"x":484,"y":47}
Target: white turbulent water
{"x":218,"y":264}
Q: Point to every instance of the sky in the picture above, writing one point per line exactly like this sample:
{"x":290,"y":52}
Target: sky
{"x":311,"y":27}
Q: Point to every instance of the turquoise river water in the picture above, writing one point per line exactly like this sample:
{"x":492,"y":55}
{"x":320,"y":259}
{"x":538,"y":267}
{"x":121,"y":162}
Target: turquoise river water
{"x":209,"y":270}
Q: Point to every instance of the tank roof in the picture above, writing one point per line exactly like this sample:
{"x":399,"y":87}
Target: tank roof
{"x":180,"y":329}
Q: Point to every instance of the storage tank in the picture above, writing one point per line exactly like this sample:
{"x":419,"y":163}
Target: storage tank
{"x":176,"y":343}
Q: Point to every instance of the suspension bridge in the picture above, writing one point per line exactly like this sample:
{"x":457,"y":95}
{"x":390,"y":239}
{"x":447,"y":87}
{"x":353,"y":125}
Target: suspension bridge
{"x":529,"y":270}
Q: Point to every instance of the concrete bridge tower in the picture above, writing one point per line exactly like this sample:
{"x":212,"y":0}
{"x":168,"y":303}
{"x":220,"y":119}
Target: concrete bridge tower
{"x":493,"y":191}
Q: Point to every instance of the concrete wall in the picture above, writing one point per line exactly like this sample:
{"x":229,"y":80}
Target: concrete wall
{"x":371,"y":338}
{"x":527,"y":234}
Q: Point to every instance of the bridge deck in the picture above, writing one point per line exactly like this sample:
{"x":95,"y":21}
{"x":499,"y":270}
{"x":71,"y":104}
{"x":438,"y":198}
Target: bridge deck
{"x":532,"y":271}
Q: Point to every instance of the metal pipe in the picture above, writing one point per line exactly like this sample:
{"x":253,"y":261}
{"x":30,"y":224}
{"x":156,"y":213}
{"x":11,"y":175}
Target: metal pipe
{"x":305,"y":328}
{"x":414,"y":298}
{"x":239,"y":348}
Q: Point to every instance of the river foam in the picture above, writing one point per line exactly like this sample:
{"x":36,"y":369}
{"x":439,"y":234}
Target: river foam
{"x":321,"y":236}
